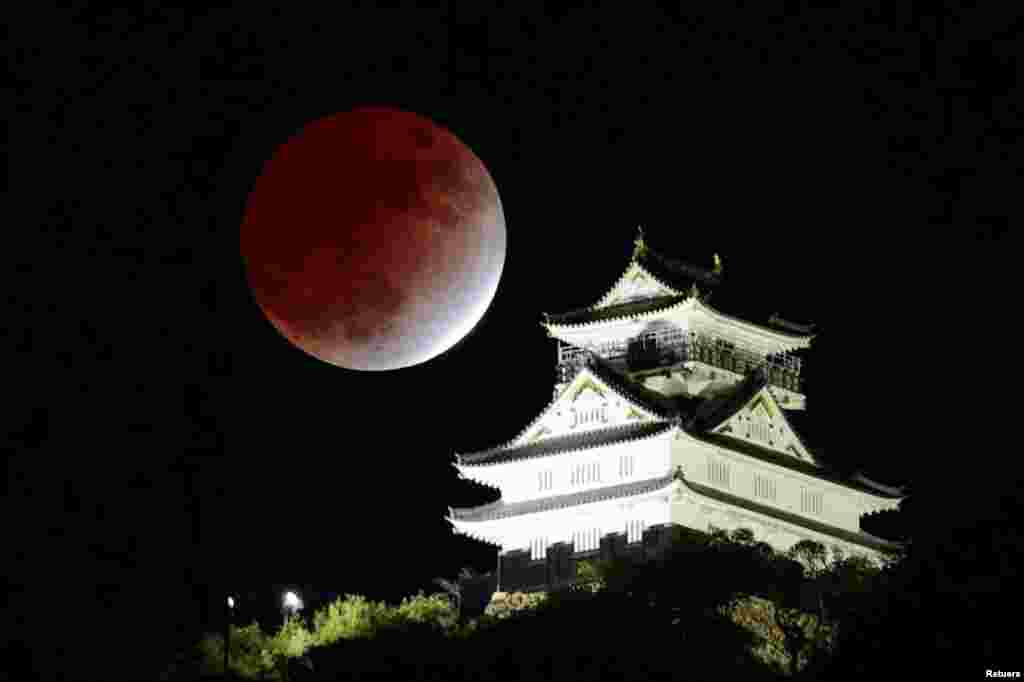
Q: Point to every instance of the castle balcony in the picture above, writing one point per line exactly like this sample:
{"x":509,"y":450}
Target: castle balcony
{"x":653,"y":354}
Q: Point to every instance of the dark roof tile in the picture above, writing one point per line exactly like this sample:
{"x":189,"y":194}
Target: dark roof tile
{"x":584,"y":440}
{"x":678,"y":273}
{"x":611,"y":312}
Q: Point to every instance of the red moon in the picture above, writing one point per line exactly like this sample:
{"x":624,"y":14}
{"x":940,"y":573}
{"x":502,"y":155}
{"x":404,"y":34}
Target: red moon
{"x":374,"y":239}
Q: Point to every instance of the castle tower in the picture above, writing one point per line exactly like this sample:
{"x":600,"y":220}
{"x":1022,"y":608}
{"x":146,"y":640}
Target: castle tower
{"x":666,"y":412}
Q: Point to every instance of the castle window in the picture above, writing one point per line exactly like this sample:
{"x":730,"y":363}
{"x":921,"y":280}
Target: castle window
{"x":583,"y":474}
{"x":811,"y":502}
{"x":544,"y":480}
{"x":538,"y":548}
{"x":625,"y":466}
{"x":634,"y":531}
{"x":586,"y":540}
{"x":758,"y":431}
{"x":718,"y":472}
{"x":764,"y":488}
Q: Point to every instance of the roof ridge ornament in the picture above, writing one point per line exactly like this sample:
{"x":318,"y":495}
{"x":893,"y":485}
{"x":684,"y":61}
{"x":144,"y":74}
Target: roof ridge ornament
{"x":792,"y":326}
{"x":639,"y":246}
{"x":718,"y":265}
{"x":694,"y":291}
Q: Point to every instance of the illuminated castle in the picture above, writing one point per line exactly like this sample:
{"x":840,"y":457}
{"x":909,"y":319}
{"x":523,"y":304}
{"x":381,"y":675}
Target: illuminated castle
{"x":666,"y":412}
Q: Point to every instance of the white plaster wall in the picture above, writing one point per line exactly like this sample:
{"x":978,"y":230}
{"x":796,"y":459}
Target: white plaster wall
{"x":519,"y":480}
{"x":840,"y":506}
{"x":703,"y":514}
{"x":674,"y":505}
{"x":559,"y":525}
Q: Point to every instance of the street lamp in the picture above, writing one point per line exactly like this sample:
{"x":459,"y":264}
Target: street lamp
{"x":292,"y":604}
{"x":227,"y":632}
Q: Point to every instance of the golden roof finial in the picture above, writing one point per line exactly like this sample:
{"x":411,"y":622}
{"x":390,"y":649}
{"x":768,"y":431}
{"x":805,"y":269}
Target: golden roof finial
{"x":639,"y":247}
{"x":718,"y":265}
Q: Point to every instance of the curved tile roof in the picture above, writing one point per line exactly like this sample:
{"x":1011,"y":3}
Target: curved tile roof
{"x":860,"y":538}
{"x":631,"y":390}
{"x":673,"y":270}
{"x":585,"y":440}
{"x":618,"y":311}
{"x":500,"y":509}
{"x":645,"y":269}
{"x":802,"y":338}
{"x":887,"y":490}
{"x":670,"y":273}
{"x":716,"y":410}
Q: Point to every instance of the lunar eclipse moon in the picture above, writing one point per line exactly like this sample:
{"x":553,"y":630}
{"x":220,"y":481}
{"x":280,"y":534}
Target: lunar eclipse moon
{"x":374,"y":239}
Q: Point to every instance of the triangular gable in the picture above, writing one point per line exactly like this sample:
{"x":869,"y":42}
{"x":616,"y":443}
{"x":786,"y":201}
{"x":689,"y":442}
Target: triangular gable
{"x":636,"y":283}
{"x":587,"y":402}
{"x":762,"y":422}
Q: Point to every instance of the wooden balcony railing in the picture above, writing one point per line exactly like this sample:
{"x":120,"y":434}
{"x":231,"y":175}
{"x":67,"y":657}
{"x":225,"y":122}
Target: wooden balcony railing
{"x":652,"y":353}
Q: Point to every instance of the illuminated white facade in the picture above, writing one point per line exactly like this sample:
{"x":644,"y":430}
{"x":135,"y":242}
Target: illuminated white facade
{"x":667,"y":411}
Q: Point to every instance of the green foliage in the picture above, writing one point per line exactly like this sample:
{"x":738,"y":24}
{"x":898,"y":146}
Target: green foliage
{"x":651,"y":595}
{"x":586,"y":571}
{"x":291,"y":641}
{"x":435,"y":609}
{"x":250,"y":651}
{"x":812,"y":556}
{"x":211,"y":654}
{"x":591,"y":575}
{"x":614,"y":575}
{"x":251,"y":654}
{"x":356,"y":617}
{"x":350,"y":617}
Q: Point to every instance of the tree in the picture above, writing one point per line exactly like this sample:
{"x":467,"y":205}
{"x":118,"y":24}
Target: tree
{"x":454,"y":589}
{"x":814,"y":558}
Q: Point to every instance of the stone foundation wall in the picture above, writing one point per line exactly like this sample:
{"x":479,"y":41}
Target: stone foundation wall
{"x":520,"y":573}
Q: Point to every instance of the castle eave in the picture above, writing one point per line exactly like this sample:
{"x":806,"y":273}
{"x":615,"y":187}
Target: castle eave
{"x":591,"y":317}
{"x":859,"y":538}
{"x":790,"y":462}
{"x":500,"y":509}
{"x":585,"y":440}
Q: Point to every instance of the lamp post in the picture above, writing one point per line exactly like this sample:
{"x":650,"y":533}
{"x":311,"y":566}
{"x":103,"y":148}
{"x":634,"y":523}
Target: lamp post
{"x":227,"y":632}
{"x":291,"y":604}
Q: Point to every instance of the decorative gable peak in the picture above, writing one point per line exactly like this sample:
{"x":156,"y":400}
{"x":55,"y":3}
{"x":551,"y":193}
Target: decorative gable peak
{"x":760,"y":421}
{"x":587,"y":402}
{"x":635,"y":284}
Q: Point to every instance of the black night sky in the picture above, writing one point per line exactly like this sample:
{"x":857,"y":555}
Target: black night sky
{"x":854,"y":170}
